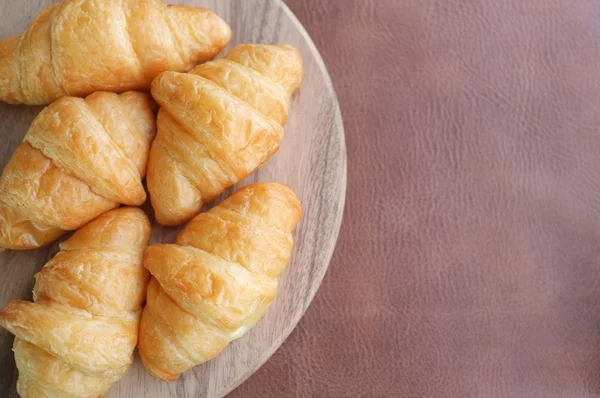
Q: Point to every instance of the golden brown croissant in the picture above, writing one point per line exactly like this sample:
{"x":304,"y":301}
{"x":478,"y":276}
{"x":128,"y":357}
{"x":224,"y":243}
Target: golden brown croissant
{"x":79,"y":159}
{"x":217,"y":124}
{"x":77,"y":47}
{"x":218,"y":279}
{"x":77,"y":338}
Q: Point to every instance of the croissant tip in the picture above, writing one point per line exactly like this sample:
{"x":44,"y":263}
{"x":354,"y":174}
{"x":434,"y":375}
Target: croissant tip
{"x":9,"y":82}
{"x":9,"y":312}
{"x":155,"y":372}
{"x":221,"y":29}
{"x":216,"y":32}
{"x":274,"y":186}
{"x":173,"y":220}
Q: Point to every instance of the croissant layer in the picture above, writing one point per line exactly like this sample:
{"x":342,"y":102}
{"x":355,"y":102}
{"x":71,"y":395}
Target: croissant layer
{"x":76,"y":47}
{"x":217,"y":280}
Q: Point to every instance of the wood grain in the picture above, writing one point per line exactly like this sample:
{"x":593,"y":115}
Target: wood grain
{"x":312,"y":160}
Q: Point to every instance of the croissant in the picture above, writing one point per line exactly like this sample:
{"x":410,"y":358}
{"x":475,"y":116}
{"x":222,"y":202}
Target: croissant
{"x":218,"y":280}
{"x":79,"y":159}
{"x":217,"y":124}
{"x":76,"y":47}
{"x":77,"y":338}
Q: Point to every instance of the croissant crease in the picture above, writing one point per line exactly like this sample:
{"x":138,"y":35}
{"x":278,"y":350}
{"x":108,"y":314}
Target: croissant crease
{"x":218,"y":279}
{"x":79,"y":159}
{"x":78,"y":336}
{"x":217,"y":124}
{"x":76,"y":47}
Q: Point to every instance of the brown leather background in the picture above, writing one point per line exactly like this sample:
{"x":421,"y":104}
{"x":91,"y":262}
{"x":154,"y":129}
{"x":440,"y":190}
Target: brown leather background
{"x":468,"y":263}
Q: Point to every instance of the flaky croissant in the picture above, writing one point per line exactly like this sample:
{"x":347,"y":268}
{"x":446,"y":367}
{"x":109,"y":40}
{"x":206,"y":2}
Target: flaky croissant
{"x":77,"y":47}
{"x":79,"y":159}
{"x":217,"y":124}
{"x":218,"y":279}
{"x":78,"y":336}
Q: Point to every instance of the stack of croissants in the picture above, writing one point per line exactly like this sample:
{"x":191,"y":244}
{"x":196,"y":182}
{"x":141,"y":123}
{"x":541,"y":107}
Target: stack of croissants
{"x":202,"y":128}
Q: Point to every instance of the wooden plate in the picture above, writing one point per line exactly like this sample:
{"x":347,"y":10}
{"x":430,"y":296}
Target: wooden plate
{"x":312,"y":160}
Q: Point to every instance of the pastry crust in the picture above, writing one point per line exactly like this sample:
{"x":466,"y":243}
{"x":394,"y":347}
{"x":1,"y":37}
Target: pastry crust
{"x":217,"y":280}
{"x":76,"y":47}
{"x":79,"y":159}
{"x":77,"y":338}
{"x":217,"y":124}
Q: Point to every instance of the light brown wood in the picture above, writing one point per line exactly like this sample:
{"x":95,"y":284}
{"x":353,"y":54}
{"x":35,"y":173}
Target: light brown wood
{"x":312,"y":160}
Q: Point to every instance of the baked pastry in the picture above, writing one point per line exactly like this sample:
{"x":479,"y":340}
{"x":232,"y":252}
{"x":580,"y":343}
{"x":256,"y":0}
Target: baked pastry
{"x":79,"y":159}
{"x":218,"y":280}
{"x":217,"y":124}
{"x":78,"y":336}
{"x":76,"y":47}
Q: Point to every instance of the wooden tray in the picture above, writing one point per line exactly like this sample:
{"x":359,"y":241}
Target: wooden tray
{"x":312,"y":160}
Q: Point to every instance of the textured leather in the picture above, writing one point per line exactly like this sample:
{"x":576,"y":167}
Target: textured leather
{"x":468,"y":263}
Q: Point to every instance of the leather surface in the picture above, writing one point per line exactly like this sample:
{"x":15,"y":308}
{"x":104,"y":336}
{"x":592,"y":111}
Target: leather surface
{"x":468,"y":263}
